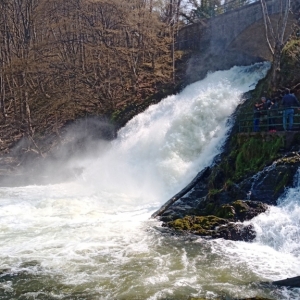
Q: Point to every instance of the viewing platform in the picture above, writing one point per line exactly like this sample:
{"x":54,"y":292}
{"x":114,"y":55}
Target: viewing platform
{"x":270,"y":127}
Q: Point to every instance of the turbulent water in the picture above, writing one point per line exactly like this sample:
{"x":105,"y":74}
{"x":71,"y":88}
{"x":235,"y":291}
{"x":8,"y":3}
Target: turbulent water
{"x":93,"y":238}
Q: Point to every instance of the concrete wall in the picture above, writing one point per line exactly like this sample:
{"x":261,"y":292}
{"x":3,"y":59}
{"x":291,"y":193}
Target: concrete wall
{"x":236,"y":37}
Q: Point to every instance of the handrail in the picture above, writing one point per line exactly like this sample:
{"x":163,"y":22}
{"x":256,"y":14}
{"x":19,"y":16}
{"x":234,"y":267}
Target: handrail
{"x":221,"y":9}
{"x":270,"y":119}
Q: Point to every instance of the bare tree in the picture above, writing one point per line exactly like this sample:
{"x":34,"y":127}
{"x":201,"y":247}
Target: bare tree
{"x":61,"y":60}
{"x":275,"y":32}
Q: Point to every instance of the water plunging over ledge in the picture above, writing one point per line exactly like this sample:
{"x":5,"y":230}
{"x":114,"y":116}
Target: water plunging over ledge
{"x":93,"y":239}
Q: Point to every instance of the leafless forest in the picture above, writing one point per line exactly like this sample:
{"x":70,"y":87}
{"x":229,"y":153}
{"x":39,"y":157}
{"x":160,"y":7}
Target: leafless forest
{"x":62,"y":60}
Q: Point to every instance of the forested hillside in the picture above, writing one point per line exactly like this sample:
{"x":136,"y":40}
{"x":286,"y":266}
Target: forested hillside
{"x":64,"y":60}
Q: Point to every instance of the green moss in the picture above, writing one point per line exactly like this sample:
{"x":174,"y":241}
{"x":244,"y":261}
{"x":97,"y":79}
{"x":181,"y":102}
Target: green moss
{"x":240,"y":206}
{"x":228,"y":184}
{"x":115,"y":115}
{"x":283,"y":182}
{"x":209,"y":208}
{"x":201,"y":225}
{"x":290,"y":63}
{"x":255,"y":153}
{"x":225,"y":211}
{"x":229,"y":211}
{"x":181,"y":224}
{"x":212,"y":192}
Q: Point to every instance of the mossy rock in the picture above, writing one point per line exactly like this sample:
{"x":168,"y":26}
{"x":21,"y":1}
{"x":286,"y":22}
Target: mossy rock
{"x":201,"y":225}
{"x":247,"y":209}
{"x":212,"y":226}
{"x":226,"y":211}
{"x":239,"y":210}
{"x":255,"y":152}
{"x":240,"y":206}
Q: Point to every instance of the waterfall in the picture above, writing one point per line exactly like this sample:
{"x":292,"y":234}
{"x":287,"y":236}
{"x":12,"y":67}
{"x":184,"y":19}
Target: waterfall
{"x":92,"y":238}
{"x":159,"y":151}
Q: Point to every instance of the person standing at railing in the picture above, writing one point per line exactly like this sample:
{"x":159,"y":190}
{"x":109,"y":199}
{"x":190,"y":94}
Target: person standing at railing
{"x":265,"y":103}
{"x":288,"y":102}
{"x":256,"y":117}
{"x":264,"y":106}
{"x":273,"y":111}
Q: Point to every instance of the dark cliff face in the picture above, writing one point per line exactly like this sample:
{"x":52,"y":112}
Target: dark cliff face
{"x":255,"y":166}
{"x":219,"y":209}
{"x":266,"y":187}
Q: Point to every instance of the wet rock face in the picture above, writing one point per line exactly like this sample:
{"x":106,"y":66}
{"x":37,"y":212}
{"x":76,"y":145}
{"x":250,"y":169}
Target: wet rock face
{"x":221,"y":225}
{"x":241,"y":210}
{"x":211,"y":196}
{"x":212,"y":226}
{"x":235,"y":232}
{"x":269,"y":184}
{"x":291,"y":282}
{"x":266,"y":186}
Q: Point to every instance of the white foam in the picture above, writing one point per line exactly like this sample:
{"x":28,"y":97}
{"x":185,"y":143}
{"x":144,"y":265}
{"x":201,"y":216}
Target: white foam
{"x":94,"y":234}
{"x":159,"y":151}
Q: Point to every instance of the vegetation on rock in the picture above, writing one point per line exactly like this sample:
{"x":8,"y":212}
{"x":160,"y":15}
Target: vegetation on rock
{"x":221,"y":223}
{"x":246,"y":155}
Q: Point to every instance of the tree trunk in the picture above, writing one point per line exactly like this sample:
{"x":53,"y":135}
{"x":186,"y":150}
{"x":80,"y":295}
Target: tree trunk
{"x":276,"y":65}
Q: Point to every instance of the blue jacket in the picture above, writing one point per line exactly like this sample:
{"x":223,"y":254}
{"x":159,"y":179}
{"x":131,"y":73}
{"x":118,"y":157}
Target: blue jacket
{"x":289,"y":100}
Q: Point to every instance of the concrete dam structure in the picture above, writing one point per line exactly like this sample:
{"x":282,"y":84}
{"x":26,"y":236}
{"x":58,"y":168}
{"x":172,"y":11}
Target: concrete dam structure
{"x":235,"y":37}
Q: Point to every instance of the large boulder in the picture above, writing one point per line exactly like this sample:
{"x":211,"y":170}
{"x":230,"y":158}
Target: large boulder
{"x":226,"y":223}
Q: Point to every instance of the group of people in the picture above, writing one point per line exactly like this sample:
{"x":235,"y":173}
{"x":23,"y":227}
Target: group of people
{"x":268,"y":109}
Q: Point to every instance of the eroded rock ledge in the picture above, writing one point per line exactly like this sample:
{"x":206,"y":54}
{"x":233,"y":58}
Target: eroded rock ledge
{"x":226,"y":223}
{"x":211,"y":212}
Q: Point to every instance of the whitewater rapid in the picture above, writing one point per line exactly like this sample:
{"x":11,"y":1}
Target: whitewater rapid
{"x":159,"y":151}
{"x":93,"y":238}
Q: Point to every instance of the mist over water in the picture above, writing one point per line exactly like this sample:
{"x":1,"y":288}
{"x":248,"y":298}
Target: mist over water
{"x":93,"y":239}
{"x":159,"y":151}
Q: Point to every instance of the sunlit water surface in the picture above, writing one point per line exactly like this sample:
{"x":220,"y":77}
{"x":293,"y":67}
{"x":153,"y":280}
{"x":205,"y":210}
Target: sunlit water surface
{"x":94,"y":239}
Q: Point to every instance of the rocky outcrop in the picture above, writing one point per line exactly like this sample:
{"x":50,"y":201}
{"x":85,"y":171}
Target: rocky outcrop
{"x":291,"y":282}
{"x":225,"y":223}
{"x":212,"y":226}
{"x":265,"y":186}
{"x":197,"y":180}
{"x":212,"y":212}
{"x":253,"y":166}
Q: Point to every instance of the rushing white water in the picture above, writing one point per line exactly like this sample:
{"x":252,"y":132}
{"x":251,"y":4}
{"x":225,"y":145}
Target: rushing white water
{"x":93,"y":239}
{"x":159,"y":152}
{"x":279,"y":227}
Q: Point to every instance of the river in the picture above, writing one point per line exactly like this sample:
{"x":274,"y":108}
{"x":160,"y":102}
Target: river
{"x":93,"y":238}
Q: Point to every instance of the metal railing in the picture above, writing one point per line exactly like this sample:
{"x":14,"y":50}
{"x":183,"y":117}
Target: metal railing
{"x":271,"y":119}
{"x":210,"y":12}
